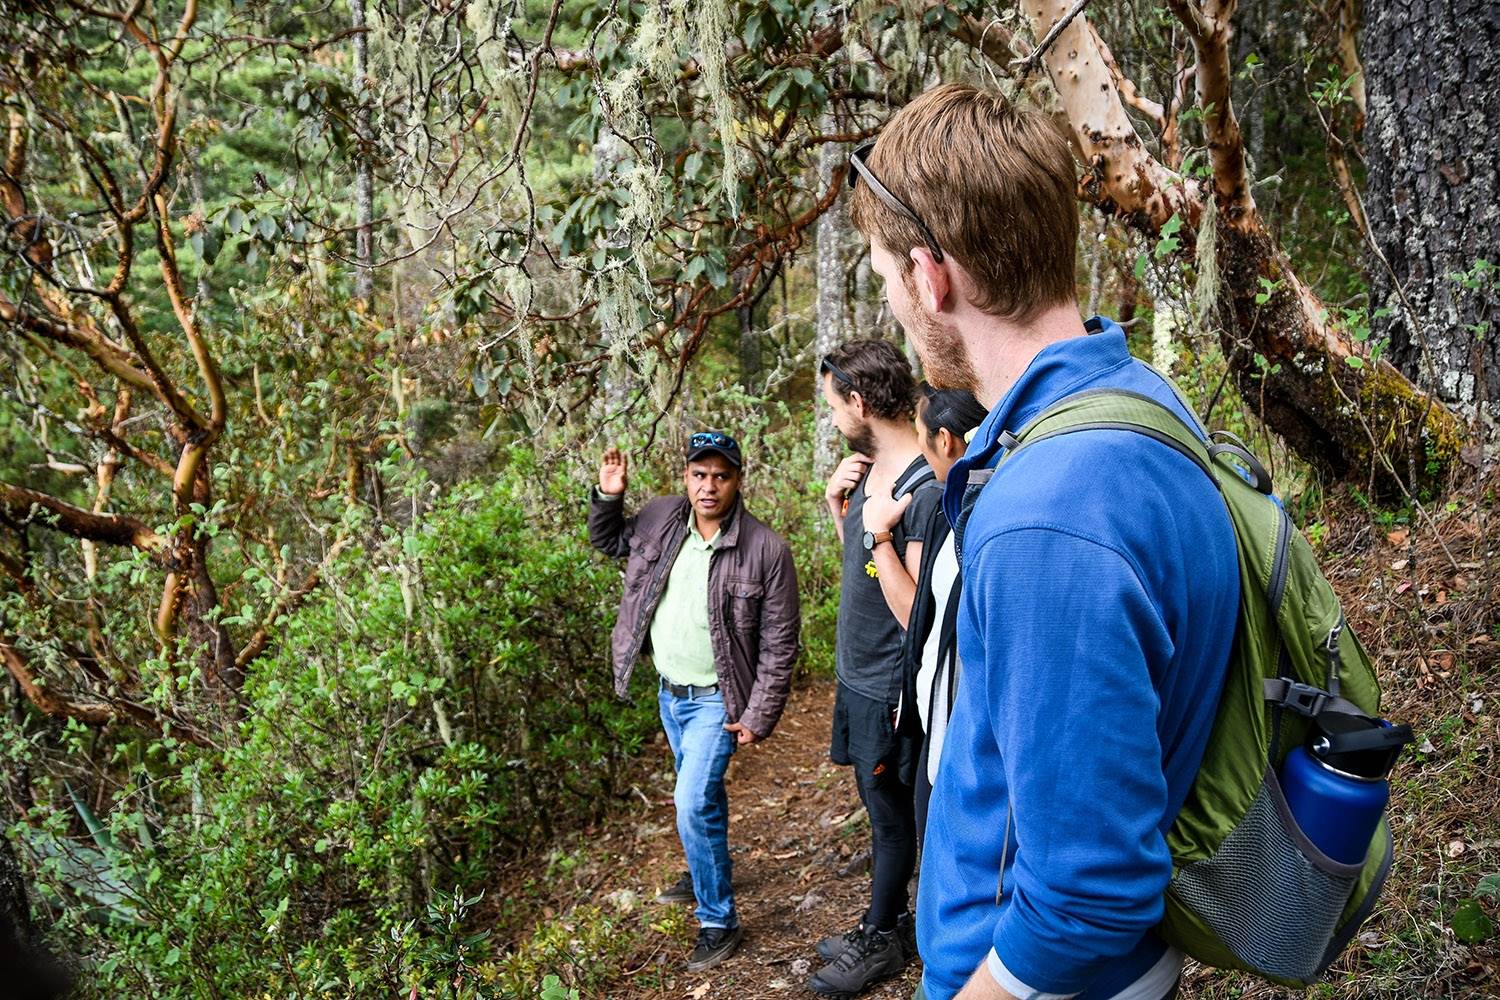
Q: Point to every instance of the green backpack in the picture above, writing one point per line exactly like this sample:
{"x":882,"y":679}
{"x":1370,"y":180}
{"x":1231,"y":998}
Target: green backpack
{"x":1248,"y":889}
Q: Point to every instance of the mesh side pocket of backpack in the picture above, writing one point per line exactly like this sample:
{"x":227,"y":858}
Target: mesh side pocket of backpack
{"x":1269,"y":894}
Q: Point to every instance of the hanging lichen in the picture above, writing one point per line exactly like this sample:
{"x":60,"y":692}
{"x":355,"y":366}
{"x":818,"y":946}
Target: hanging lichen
{"x":1165,"y":321}
{"x":1206,"y":291}
{"x":655,"y":43}
{"x":715,"y":27}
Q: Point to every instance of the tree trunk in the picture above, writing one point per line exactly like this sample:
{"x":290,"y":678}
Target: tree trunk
{"x":364,"y":185}
{"x":1433,"y":194}
{"x":1314,"y":383}
{"x":833,"y":299}
{"x":618,"y":382}
{"x":868,"y":302}
{"x":1346,"y":417}
{"x":751,"y":361}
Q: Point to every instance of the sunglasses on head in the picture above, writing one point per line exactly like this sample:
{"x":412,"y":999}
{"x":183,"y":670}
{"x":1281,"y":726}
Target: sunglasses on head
{"x":712,"y":439}
{"x":863,"y":172}
{"x":828,"y":366}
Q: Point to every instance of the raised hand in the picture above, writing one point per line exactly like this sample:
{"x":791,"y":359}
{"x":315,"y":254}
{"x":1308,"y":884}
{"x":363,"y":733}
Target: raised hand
{"x":614,"y":472}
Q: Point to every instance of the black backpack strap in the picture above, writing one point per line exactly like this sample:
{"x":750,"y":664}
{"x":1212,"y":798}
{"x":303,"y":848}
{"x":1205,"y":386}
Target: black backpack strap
{"x":947,"y":651}
{"x":913,"y":482}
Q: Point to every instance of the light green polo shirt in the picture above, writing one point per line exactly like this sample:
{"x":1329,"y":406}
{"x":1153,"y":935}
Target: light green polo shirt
{"x":680,"y":645}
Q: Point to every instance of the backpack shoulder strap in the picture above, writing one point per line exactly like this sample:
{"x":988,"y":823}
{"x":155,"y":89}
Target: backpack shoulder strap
{"x":918,"y":479}
{"x":1112,"y":409}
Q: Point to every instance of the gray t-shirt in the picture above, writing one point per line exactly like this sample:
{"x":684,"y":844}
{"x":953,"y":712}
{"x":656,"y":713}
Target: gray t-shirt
{"x":869,"y":637}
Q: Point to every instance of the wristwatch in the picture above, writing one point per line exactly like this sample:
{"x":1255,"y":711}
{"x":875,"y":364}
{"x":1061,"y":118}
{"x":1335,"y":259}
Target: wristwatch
{"x":872,"y":539}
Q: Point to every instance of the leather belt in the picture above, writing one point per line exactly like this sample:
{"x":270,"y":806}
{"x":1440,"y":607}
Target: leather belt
{"x":689,"y":690}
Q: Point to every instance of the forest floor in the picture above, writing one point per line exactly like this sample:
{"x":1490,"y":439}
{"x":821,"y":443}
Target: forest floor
{"x":1425,"y":599}
{"x":799,"y":840}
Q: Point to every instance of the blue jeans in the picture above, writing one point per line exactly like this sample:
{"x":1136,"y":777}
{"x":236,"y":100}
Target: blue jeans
{"x":701,"y":749}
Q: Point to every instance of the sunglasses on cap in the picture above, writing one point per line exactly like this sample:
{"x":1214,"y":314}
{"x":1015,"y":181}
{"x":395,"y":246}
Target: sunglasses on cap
{"x":712,"y":439}
{"x":863,"y":172}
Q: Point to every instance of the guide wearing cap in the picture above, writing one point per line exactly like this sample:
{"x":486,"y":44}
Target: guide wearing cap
{"x":711,"y":595}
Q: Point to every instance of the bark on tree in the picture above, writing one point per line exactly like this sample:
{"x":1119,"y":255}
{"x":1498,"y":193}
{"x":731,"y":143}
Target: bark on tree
{"x":1433,"y":195}
{"x":833,"y":299}
{"x":1318,"y":387}
{"x":364,"y":185}
{"x":751,"y":360}
{"x":112,"y":353}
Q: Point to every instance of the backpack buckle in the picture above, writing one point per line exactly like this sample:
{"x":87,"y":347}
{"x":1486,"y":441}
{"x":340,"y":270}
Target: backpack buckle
{"x":1304,"y":699}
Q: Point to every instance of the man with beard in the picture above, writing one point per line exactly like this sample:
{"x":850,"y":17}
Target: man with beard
{"x":882,"y":499}
{"x":1100,"y":575}
{"x":711,"y":593}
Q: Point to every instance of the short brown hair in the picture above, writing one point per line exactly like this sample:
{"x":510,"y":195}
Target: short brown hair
{"x":996,"y":185}
{"x":880,"y":373}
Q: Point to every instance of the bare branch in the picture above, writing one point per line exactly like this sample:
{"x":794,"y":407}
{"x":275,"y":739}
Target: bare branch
{"x":1031,"y":62}
{"x":93,"y":713}
{"x":90,"y":713}
{"x":24,"y":505}
{"x":285,"y":605}
{"x":1121,"y":174}
{"x":1210,"y":30}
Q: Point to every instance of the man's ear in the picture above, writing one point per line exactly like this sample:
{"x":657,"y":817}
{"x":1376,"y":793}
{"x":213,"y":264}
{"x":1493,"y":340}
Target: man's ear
{"x":856,"y":401}
{"x":934,"y":284}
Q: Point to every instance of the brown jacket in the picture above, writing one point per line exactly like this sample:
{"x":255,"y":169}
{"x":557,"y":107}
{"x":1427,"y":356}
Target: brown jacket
{"x":753,"y":611}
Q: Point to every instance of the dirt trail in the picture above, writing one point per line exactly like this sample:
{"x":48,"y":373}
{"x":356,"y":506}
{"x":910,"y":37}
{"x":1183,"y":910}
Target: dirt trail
{"x":800,"y":844}
{"x":799,"y":839}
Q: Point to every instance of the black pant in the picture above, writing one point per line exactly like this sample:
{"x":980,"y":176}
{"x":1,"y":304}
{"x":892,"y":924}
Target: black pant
{"x":884,"y":762}
{"x":893,"y":843}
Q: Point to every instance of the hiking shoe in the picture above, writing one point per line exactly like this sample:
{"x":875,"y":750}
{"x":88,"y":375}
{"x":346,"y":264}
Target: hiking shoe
{"x":681,"y":892}
{"x":833,"y":945}
{"x":906,"y":934}
{"x":715,"y":945}
{"x":870,"y":958}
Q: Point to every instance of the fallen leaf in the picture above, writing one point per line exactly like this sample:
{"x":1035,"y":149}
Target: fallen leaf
{"x":1442,"y":597}
{"x":1400,"y":564}
{"x":1399,"y":536}
{"x":1456,"y":848}
{"x":700,"y":992}
{"x":1403,"y":586}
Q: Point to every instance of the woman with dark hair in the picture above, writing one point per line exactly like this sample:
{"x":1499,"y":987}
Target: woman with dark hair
{"x":945,"y":417}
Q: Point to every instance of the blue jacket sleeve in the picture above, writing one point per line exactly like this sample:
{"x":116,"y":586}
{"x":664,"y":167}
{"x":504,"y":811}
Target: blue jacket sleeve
{"x":1069,"y":692}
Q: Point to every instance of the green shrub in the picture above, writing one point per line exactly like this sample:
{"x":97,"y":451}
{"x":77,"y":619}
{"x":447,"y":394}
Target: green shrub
{"x":444,"y":702}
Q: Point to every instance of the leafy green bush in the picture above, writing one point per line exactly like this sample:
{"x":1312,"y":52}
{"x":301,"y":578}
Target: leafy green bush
{"x":445,"y":701}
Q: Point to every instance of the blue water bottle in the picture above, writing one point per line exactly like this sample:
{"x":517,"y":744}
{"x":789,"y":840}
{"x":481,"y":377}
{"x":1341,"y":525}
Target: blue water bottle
{"x":1336,"y":783}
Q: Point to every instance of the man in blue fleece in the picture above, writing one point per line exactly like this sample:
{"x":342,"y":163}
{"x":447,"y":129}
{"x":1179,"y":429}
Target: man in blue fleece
{"x":1100,"y":580}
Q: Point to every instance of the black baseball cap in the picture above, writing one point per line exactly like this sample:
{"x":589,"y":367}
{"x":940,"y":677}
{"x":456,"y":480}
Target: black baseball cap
{"x":715,"y":443}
